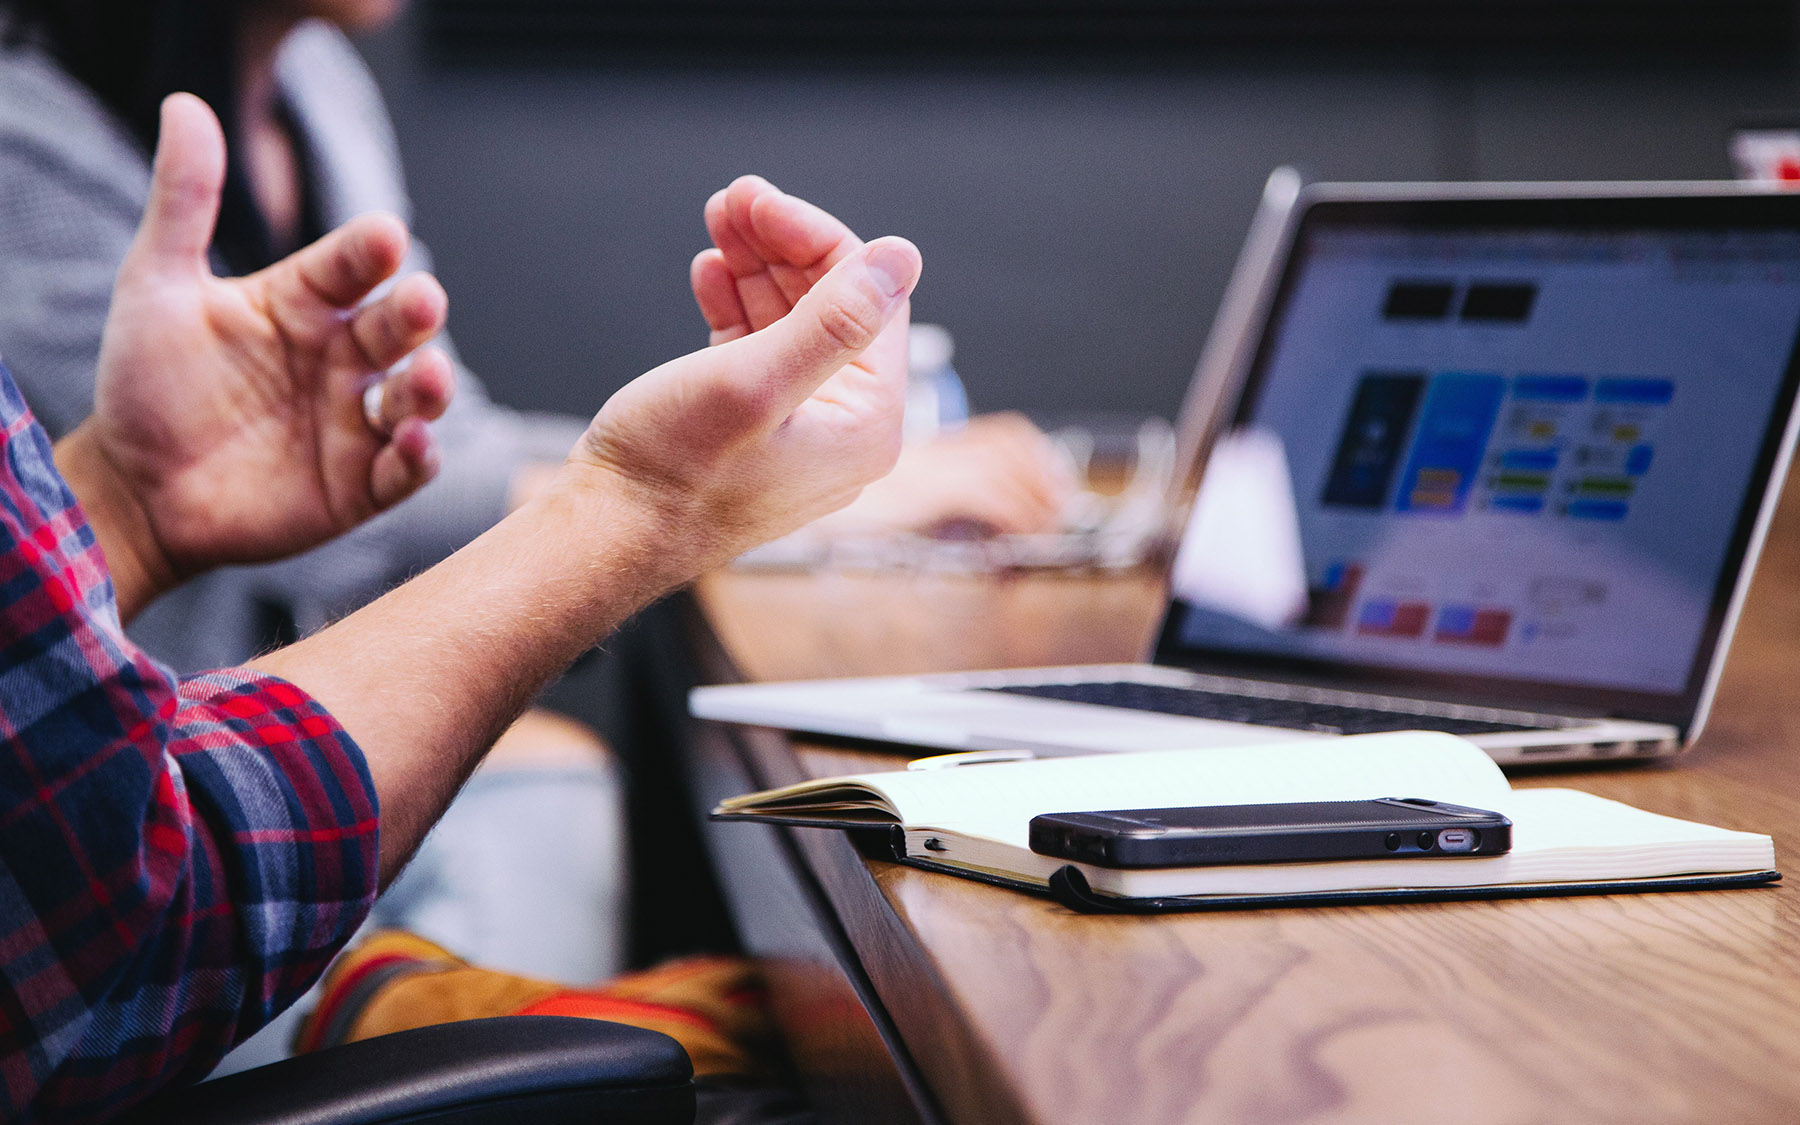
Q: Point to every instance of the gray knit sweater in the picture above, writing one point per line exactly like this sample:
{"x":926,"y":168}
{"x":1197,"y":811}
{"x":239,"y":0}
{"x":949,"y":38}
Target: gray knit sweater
{"x":73,"y":183}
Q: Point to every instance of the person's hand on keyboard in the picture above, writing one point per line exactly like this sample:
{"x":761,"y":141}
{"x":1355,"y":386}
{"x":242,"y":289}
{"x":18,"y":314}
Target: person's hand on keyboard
{"x":997,"y":475}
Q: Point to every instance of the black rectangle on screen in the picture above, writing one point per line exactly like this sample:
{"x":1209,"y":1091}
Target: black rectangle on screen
{"x":1418,"y":300}
{"x":1507,"y":301}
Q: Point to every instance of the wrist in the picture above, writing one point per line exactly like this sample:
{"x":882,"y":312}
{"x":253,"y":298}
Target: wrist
{"x":529,"y":481}
{"x":649,"y":533}
{"x":140,"y":569}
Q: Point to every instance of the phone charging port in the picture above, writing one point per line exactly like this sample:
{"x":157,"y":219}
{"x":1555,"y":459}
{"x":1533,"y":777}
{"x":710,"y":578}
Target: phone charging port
{"x":1458,"y":840}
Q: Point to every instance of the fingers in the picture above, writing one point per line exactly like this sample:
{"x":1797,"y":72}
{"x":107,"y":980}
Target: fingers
{"x":422,"y":389}
{"x":1019,"y":508}
{"x":986,"y":513}
{"x":1023,"y":455}
{"x":346,"y":265}
{"x":755,"y":224}
{"x":998,"y":471}
{"x":715,"y":291}
{"x":408,"y":460}
{"x":406,"y":400}
{"x":185,"y":183}
{"x":398,"y":324}
{"x":1007,"y":504}
{"x":774,"y":245}
{"x":800,"y":242}
{"x":763,"y":299}
{"x":832,"y":325}
{"x":800,"y":234}
{"x":727,"y":223}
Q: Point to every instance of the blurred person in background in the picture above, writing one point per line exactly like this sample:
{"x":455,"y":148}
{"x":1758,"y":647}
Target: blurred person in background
{"x":525,"y":871}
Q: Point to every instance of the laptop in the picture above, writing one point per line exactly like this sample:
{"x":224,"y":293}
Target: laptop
{"x":1522,"y":444}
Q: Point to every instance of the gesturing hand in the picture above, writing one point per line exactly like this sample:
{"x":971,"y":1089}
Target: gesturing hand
{"x":769,"y":248}
{"x":788,"y":416}
{"x":229,"y":421}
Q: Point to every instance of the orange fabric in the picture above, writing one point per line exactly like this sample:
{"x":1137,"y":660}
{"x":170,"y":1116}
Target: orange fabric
{"x":384,"y":949}
{"x":712,"y":1006}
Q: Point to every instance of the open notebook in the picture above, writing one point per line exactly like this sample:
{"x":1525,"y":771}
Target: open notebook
{"x":973,"y":820}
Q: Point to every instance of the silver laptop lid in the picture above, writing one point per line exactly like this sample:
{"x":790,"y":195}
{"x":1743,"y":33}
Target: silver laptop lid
{"x":1525,"y":440}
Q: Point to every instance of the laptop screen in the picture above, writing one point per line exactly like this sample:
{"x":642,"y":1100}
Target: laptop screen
{"x":1519,"y":445}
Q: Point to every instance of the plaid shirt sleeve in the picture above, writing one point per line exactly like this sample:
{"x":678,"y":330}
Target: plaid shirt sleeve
{"x":178,"y":859}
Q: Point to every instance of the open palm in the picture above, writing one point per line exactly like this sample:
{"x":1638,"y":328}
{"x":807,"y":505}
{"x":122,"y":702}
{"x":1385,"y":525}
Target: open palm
{"x":233,"y":410}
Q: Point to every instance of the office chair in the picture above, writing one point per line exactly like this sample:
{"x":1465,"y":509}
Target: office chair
{"x":545,"y":1070}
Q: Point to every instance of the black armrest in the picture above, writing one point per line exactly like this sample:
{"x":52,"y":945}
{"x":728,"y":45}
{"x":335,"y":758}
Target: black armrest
{"x":543,"y":1069}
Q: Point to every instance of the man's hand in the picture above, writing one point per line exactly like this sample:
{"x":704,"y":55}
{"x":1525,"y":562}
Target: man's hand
{"x":999,"y":473}
{"x":769,"y":249}
{"x":683,"y":468}
{"x":796,"y":406}
{"x":229,"y":418}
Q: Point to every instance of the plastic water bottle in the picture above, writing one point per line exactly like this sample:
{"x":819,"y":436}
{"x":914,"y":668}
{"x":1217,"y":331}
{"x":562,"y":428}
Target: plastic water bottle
{"x":935,"y":397}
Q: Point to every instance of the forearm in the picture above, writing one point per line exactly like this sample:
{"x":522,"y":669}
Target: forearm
{"x":428,"y":676}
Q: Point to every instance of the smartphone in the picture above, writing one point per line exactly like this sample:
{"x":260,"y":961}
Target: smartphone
{"x":1204,"y":835}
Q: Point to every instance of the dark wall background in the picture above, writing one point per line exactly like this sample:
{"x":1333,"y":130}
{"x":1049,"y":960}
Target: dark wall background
{"x":1078,"y":209}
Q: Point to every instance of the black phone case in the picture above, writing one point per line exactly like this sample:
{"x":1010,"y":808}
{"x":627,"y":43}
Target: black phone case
{"x":1301,"y":832}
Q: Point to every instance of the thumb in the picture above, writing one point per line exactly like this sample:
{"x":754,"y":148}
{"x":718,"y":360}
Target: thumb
{"x":834,"y":323}
{"x":186,"y":180}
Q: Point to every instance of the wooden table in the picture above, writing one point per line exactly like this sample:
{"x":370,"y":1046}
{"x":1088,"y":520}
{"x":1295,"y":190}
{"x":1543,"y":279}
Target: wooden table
{"x":909,"y":995}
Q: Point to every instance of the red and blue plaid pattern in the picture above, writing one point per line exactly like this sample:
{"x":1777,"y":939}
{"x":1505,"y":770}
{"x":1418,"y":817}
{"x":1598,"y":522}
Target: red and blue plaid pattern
{"x":178,"y":859}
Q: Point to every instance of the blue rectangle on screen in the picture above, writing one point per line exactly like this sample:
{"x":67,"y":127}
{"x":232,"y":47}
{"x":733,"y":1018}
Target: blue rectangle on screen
{"x":1454,"y":424}
{"x":1597,"y":509}
{"x":1648,"y":392}
{"x":1637,"y":462}
{"x":1456,"y":620}
{"x":1534,"y":460}
{"x":1516,"y":503}
{"x":1550,"y":388}
{"x":1377,"y":615}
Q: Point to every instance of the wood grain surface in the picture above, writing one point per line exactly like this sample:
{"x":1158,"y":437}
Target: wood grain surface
{"x":1666,"y":1007}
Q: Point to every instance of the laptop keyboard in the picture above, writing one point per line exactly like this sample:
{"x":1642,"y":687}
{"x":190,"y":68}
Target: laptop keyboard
{"x":1293,"y":714}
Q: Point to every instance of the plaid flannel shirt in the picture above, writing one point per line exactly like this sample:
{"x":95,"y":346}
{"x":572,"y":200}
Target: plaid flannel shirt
{"x":178,"y":859}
